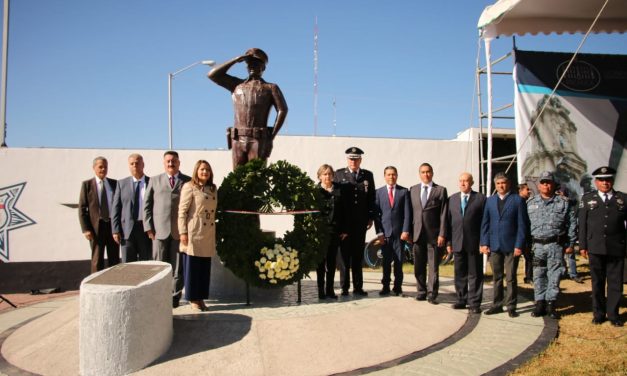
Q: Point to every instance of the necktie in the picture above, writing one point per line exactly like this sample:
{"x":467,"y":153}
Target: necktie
{"x":605,"y":198}
{"x":355,"y":175}
{"x":104,"y":204}
{"x":391,"y":197}
{"x":171,"y":181}
{"x":464,"y":203}
{"x":136,"y":201}
{"x":423,"y":197}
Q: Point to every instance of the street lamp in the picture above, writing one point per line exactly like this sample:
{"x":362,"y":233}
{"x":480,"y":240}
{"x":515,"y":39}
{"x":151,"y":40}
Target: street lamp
{"x":170,"y":77}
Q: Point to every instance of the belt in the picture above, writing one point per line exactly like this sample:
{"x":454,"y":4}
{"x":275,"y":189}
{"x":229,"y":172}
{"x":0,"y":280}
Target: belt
{"x":549,"y":240}
{"x":256,"y":132}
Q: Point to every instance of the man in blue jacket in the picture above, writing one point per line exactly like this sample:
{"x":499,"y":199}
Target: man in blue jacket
{"x":393,"y":224}
{"x":503,"y":230}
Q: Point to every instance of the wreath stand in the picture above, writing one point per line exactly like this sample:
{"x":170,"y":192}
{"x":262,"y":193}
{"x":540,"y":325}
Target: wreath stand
{"x":3,"y":299}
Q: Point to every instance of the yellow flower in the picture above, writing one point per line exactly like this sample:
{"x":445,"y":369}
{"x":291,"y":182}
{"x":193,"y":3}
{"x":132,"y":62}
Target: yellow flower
{"x":263,"y":260}
{"x":257,"y":264}
{"x":273,"y":281}
{"x":270,"y":273}
{"x":262,"y":276}
{"x":268,"y":265}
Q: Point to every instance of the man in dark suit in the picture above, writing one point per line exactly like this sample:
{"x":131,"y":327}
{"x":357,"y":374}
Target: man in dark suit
{"x":525,"y":193}
{"x":357,"y":190}
{"x":602,"y":216}
{"x":393,"y":224}
{"x":161,"y":206}
{"x":128,"y":213}
{"x":94,"y":215}
{"x":465,"y":211}
{"x":503,"y":236}
{"x":429,"y":203}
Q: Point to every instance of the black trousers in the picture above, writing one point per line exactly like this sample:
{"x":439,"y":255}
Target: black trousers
{"x":528,"y":265}
{"x":138,"y":246}
{"x":352,"y":249}
{"x":393,"y":252}
{"x":469,"y":278}
{"x":425,"y":254}
{"x":104,"y":240}
{"x":326,"y":269}
{"x":504,"y":263}
{"x":606,"y":269}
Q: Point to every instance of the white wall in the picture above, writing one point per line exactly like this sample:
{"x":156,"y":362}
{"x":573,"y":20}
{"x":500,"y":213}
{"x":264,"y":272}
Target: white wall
{"x":53,"y":178}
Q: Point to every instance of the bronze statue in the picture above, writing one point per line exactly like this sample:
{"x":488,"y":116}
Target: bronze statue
{"x":250,"y":137}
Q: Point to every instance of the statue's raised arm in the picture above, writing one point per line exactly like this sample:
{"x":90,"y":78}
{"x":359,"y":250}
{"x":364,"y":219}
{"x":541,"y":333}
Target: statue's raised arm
{"x":250,"y":137}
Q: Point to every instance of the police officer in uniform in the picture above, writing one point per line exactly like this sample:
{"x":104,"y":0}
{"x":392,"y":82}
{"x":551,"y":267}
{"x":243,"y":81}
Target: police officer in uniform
{"x":602,"y":215}
{"x":358,"y":189}
{"x":553,"y":226}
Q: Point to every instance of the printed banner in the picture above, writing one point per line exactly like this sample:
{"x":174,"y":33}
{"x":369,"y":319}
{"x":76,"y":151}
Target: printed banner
{"x":584,"y":125}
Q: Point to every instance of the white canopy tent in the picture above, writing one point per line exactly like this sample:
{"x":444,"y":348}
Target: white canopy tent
{"x":519,"y":17}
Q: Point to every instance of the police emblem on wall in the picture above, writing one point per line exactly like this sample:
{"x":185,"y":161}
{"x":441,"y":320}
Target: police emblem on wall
{"x":10,"y":217}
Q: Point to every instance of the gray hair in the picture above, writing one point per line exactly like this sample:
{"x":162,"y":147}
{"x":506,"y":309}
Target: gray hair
{"x":500,"y":176}
{"x":99,"y":159}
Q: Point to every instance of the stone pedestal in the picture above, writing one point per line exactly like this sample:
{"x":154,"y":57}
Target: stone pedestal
{"x":125,"y":319}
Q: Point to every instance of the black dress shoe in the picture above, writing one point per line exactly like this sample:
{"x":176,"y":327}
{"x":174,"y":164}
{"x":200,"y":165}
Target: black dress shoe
{"x":384,"y":292}
{"x":493,"y":311}
{"x":360,"y":292}
{"x":421,"y":297}
{"x":321,"y":296}
{"x":528,"y":281}
{"x":598,"y":320}
{"x":474,"y":310}
{"x":459,"y":305}
{"x":577,"y":279}
{"x":397,"y":292}
{"x":432,"y":301}
{"x":617,"y":323}
{"x":344,"y":292}
{"x":512,"y":313}
{"x":331,"y":295}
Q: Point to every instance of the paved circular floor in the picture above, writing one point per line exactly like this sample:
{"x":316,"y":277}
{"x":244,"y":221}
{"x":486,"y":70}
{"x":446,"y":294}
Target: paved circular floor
{"x":277,"y":336}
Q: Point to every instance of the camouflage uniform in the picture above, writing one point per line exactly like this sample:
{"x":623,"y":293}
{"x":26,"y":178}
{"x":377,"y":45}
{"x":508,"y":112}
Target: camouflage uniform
{"x":553,"y":228}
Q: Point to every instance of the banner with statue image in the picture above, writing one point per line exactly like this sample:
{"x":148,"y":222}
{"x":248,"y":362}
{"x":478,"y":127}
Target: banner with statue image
{"x":583,"y":126}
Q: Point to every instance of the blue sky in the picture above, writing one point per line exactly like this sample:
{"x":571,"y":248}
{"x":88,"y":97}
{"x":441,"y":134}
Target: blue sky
{"x":93,"y":74}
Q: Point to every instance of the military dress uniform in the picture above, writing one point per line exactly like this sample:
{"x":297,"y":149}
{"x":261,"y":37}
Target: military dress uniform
{"x":358,"y":198}
{"x":553,"y":227}
{"x":602,"y":233}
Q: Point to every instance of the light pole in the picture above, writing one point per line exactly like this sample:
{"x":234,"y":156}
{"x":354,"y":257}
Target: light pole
{"x":170,"y":77}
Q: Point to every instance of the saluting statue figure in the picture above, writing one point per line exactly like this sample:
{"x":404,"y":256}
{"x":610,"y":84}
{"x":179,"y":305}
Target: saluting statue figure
{"x":250,"y":137}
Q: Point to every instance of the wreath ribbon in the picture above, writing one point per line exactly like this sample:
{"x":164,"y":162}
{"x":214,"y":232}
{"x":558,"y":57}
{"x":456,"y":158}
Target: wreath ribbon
{"x":272,"y":213}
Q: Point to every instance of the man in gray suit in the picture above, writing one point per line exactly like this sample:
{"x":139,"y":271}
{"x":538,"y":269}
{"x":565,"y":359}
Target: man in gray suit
{"x":465,"y":212}
{"x":128,"y":212}
{"x":161,"y":206}
{"x":429,"y":203}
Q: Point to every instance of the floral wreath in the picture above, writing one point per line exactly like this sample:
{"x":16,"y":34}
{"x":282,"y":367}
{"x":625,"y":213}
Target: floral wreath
{"x":253,"y":189}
